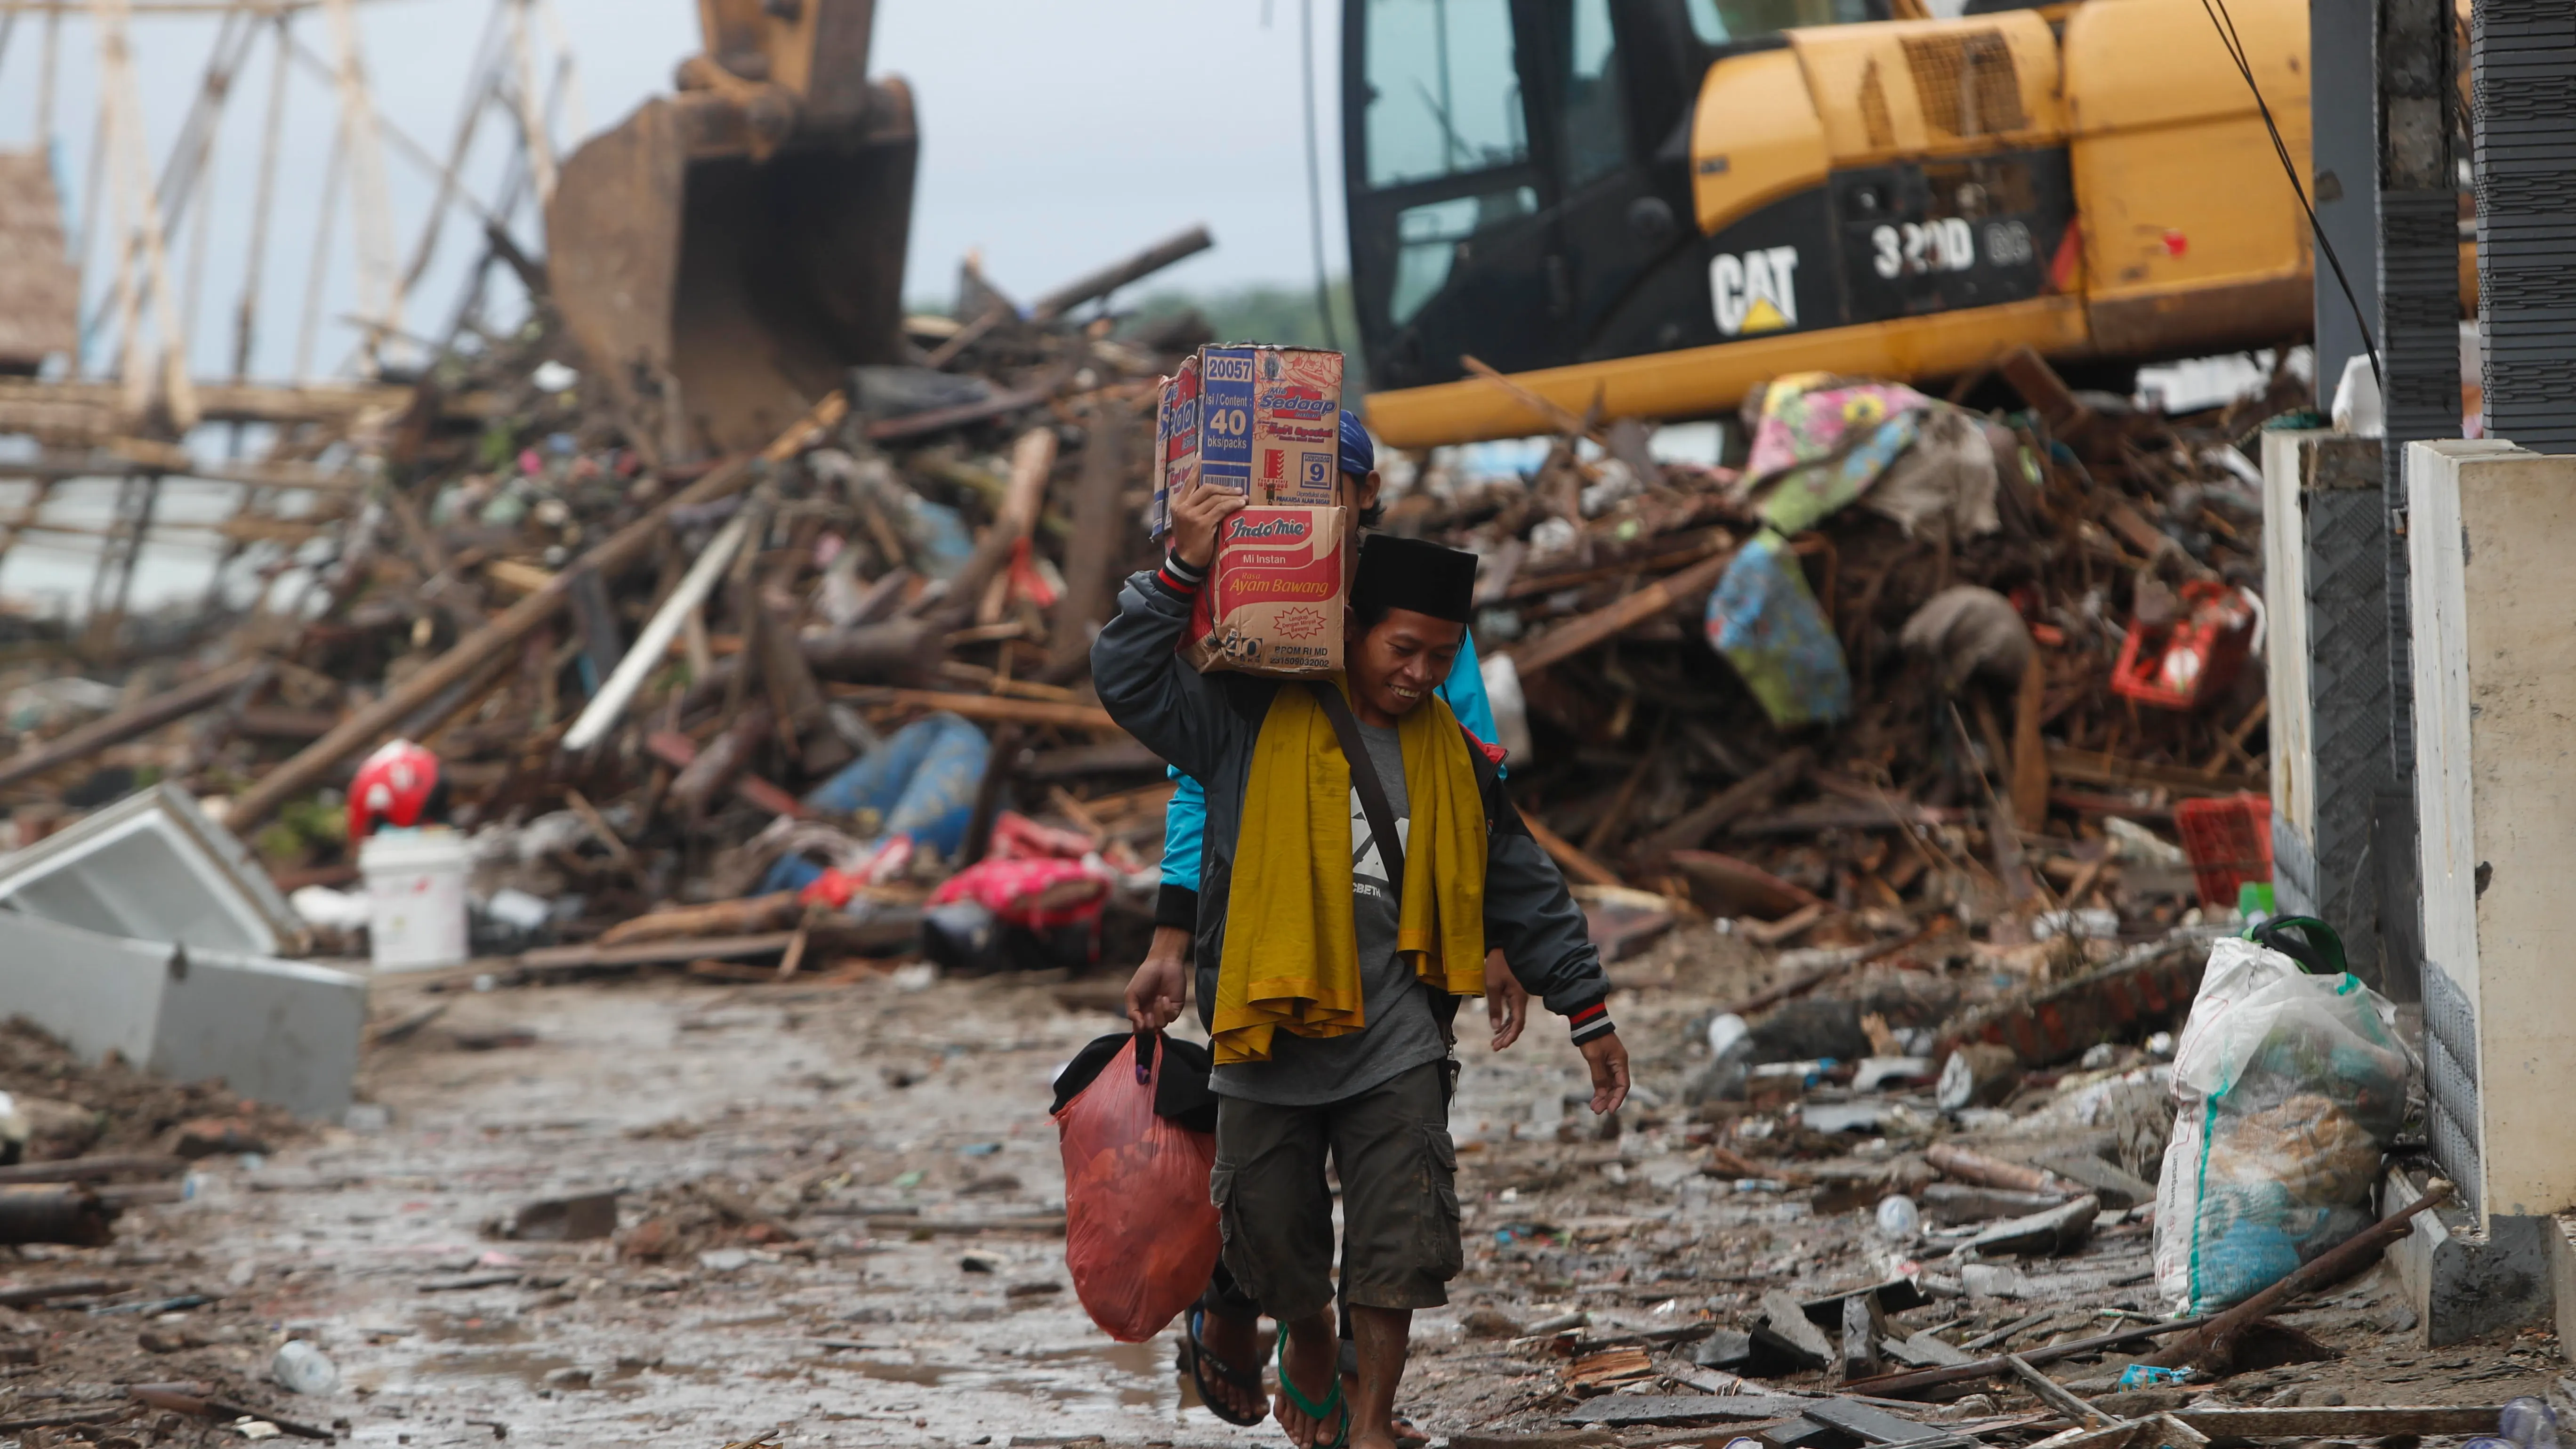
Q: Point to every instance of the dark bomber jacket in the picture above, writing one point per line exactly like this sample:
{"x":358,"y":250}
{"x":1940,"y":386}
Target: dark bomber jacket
{"x":1205,"y":725}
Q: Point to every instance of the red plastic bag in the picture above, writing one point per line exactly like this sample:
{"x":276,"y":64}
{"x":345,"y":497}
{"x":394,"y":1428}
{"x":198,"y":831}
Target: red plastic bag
{"x":1140,"y":1232}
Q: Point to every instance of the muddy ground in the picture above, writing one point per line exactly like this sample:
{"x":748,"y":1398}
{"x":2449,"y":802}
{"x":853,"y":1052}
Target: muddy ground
{"x":772,"y":1141}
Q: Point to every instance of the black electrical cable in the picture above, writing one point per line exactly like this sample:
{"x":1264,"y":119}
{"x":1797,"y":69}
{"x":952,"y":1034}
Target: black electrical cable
{"x":2225,"y":23}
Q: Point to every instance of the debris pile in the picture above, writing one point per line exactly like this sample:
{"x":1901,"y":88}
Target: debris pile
{"x":1907,"y":659}
{"x":753,"y":716}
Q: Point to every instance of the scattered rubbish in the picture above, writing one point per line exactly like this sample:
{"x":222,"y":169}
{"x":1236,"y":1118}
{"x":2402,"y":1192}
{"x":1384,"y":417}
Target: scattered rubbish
{"x":1898,"y":1217}
{"x":2289,"y":1089}
{"x":564,"y":1219}
{"x":299,"y":1367}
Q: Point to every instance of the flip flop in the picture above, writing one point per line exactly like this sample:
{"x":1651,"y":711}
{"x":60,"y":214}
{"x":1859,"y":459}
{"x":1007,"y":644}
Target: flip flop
{"x":1333,"y":1400}
{"x":1199,"y":1361}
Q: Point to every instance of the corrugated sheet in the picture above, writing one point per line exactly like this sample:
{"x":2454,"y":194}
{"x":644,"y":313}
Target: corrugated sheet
{"x":39,"y":286}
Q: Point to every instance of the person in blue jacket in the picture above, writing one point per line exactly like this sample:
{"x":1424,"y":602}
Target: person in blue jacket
{"x":1221,"y":1329}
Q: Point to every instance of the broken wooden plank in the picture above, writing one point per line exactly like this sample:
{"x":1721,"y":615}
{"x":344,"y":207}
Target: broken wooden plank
{"x":2102,"y":768}
{"x":1091,"y":571}
{"x":750,"y":915}
{"x":135,"y":719}
{"x":2053,"y":1393}
{"x":1572,"y":860}
{"x":2029,"y":751}
{"x":2345,"y":1422}
{"x":1897,"y":1386}
{"x":988,"y":708}
{"x":611,"y":558}
{"x":1968,"y":1166}
{"x":1740,"y":885}
{"x":679,"y":752}
{"x":1694,"y":826}
{"x":1623,"y":1409}
{"x":655,"y":953}
{"x":1604,"y":624}
{"x":92,"y":1169}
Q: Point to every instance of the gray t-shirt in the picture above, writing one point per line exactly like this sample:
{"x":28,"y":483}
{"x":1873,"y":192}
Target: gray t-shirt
{"x":1401,"y":1033}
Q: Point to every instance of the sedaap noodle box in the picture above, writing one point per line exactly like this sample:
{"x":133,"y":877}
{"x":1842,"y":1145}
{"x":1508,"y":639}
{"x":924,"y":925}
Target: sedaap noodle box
{"x":1176,"y":441}
{"x":1273,"y":600}
{"x":1296,"y":427}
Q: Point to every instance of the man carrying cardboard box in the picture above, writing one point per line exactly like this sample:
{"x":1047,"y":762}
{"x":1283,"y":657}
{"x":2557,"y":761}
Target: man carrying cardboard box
{"x":1346,"y":911}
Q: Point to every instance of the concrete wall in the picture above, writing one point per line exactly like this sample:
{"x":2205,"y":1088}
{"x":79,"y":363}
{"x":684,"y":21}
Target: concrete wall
{"x":2491,"y":540}
{"x":2285,"y":649}
{"x":2325,"y":582}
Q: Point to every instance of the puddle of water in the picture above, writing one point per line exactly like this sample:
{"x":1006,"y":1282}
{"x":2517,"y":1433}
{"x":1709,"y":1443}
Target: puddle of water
{"x":929,"y":1375}
{"x":528,"y":1368}
{"x":1133,"y":1375}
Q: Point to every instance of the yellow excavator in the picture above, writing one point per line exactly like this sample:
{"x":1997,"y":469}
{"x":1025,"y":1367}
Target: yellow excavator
{"x":723,"y":254}
{"x":1661,"y":203}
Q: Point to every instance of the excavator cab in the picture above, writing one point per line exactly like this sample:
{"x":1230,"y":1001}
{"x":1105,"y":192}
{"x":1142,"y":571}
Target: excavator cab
{"x":1519,"y":171}
{"x":724,"y":254}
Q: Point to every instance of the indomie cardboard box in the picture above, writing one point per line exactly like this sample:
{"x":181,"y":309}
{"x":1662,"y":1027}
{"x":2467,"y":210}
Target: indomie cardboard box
{"x":1273,"y":600}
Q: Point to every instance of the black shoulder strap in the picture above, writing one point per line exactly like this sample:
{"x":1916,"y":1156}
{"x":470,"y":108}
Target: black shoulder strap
{"x":1373,"y":801}
{"x":1390,"y":846}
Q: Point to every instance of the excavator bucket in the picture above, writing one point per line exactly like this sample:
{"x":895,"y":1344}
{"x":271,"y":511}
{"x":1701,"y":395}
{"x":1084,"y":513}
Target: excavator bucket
{"x":725,"y":254}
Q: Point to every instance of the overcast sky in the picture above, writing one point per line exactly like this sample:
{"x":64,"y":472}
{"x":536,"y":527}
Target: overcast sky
{"x":1055,"y":137}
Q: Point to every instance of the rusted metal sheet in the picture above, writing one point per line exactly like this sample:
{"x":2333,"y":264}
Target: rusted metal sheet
{"x":39,"y":285}
{"x":2152,"y":985}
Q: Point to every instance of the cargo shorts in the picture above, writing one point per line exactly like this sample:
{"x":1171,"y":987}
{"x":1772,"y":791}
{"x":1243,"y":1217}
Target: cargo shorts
{"x":1399,"y":1173}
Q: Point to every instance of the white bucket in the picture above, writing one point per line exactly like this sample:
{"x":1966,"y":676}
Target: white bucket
{"x":415,"y":898}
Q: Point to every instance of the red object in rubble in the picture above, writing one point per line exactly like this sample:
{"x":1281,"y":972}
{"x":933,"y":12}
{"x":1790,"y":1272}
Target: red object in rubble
{"x":398,"y":785}
{"x":2182,"y":664}
{"x":2228,"y":841}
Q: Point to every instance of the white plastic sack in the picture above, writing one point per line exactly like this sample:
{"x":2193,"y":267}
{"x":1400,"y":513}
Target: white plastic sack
{"x":2287,"y":1089}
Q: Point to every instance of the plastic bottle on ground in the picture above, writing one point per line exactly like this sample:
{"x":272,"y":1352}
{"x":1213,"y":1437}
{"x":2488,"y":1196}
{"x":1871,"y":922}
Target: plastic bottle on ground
{"x":303,"y":1369}
{"x":1898,"y":1217}
{"x":2530,"y":1423}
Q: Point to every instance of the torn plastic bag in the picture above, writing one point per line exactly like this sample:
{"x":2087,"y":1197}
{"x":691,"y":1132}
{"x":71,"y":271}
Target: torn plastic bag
{"x":1763,"y":619}
{"x":2288,"y":1089}
{"x":1141,"y":1231}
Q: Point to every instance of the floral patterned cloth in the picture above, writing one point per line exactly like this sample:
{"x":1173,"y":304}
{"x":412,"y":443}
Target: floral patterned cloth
{"x":1824,"y":447}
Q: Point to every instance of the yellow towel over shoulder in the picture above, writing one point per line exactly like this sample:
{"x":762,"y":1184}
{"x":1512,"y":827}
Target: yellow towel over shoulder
{"x":1291,"y":958}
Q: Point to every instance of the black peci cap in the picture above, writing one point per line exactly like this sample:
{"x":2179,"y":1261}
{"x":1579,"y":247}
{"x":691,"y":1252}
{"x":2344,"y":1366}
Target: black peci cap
{"x":1408,"y":573}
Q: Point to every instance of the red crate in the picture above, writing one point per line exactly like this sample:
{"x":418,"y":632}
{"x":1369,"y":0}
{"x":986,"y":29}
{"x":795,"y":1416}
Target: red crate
{"x":2189,"y":660}
{"x":2228,"y":841}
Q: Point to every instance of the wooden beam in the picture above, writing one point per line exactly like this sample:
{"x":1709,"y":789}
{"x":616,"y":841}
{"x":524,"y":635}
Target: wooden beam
{"x":1575,"y":863}
{"x":1602,"y":625}
{"x":469,"y":655}
{"x":990,"y":708}
{"x":135,"y":719}
{"x":2101,"y":768}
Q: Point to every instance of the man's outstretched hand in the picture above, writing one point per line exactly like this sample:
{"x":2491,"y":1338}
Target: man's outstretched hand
{"x":1159,"y":987}
{"x":1506,"y":1001}
{"x":1607,"y":1056}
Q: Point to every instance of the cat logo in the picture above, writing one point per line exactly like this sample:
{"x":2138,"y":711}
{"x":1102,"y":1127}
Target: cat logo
{"x":1755,"y":292}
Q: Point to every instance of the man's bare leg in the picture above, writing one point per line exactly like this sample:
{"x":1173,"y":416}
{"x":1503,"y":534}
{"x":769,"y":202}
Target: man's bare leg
{"x":1383,"y":1336}
{"x":1313,"y":1362}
